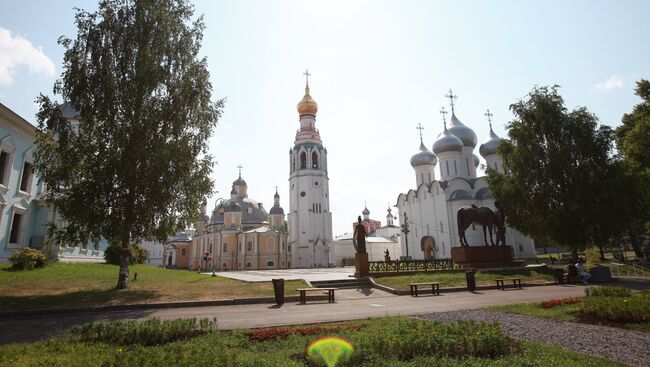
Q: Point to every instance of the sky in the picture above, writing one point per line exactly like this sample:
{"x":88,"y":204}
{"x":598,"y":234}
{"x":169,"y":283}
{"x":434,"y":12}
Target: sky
{"x":378,"y":68}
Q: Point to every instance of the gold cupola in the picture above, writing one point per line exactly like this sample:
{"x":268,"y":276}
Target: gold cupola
{"x":307,"y":106}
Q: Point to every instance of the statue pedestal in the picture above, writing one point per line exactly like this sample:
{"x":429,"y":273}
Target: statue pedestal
{"x":481,"y":257}
{"x":361,"y":264}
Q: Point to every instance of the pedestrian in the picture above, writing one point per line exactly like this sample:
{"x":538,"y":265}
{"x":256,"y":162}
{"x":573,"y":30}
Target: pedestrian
{"x":580,"y":266}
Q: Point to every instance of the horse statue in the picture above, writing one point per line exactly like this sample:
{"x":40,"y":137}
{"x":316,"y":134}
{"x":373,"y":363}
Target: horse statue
{"x":484,"y":216}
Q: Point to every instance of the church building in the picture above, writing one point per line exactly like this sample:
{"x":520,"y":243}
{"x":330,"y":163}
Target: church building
{"x":240,"y":235}
{"x":310,"y":219}
{"x":430,"y":208}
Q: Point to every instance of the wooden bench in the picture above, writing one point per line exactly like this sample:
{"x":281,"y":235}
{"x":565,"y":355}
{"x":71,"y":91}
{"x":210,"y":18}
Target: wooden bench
{"x":303,"y":293}
{"x":435,"y":288}
{"x":516,"y":283}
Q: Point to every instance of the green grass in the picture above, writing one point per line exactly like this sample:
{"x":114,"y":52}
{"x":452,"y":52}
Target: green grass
{"x":79,"y":285}
{"x":457,"y":279}
{"x":236,"y":349}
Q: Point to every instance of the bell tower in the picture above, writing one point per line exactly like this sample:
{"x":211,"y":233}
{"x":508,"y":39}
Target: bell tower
{"x":310,"y":219}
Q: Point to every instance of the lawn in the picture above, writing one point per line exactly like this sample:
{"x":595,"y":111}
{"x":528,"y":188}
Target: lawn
{"x":457,"y":279}
{"x":79,"y":285}
{"x":375,"y":342}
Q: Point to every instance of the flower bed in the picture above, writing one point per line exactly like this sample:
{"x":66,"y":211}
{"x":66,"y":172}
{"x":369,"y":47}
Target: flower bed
{"x":559,"y":302}
{"x":616,"y":309}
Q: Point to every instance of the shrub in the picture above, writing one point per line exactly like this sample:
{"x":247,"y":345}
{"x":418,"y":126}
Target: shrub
{"x":408,"y":339}
{"x":28,"y":258}
{"x":138,"y":254}
{"x":558,"y":302}
{"x":608,"y":292}
{"x":616,"y":309}
{"x":149,"y":332}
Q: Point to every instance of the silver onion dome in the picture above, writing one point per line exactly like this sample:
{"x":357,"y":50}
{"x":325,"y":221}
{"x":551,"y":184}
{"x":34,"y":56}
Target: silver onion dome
{"x":464,"y":133}
{"x":423,"y":157}
{"x":447,"y":142}
{"x":365,"y":211}
{"x":490,"y":145}
{"x":276,"y":210}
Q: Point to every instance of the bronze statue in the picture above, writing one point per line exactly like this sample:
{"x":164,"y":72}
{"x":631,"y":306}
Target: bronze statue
{"x":483,"y":216}
{"x":501,"y":224}
{"x":386,"y":256}
{"x":359,"y":237}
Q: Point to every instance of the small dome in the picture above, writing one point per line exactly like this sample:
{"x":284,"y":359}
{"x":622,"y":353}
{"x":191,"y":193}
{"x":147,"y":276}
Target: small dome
{"x":490,"y":145}
{"x":276,"y":195}
{"x":276,"y":210}
{"x":464,"y":133}
{"x":477,"y":161}
{"x":307,"y":106}
{"x":423,"y":157}
{"x":365,"y":211}
{"x":447,"y":142}
{"x":240,"y":181}
{"x":233,"y":207}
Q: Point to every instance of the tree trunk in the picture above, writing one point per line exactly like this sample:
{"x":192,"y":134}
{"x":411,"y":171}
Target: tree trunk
{"x":123,"y":278}
{"x":636,"y":244}
{"x":602,"y":252}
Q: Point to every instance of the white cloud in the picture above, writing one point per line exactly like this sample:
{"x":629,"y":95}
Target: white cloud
{"x":613,"y":82}
{"x":17,"y":51}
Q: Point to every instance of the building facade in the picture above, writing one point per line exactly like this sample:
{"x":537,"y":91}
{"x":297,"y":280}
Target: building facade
{"x":310,"y":219}
{"x":24,"y":215}
{"x":431,"y":206}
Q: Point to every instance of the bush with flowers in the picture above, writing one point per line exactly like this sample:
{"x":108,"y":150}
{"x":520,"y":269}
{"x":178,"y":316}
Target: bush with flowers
{"x":559,"y":302}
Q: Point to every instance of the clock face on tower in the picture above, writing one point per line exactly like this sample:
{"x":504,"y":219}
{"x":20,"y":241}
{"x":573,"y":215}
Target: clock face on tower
{"x":302,"y":194}
{"x":316,"y":183}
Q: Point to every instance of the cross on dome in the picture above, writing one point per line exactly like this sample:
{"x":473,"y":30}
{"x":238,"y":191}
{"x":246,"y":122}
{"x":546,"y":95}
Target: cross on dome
{"x":419,"y":127}
{"x":489,"y":117}
{"x":451,"y":97}
{"x":240,"y":167}
{"x":307,"y":75}
{"x":444,"y":113}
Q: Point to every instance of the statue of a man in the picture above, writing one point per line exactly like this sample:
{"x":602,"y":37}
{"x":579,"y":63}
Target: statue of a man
{"x":501,"y":224}
{"x":359,"y":237}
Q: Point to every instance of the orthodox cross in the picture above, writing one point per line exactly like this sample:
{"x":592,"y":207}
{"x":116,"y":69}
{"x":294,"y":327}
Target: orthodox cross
{"x":419,"y":127}
{"x":489,"y":116}
{"x":240,"y":167}
{"x":451,"y":97}
{"x":444,"y":113}
{"x":306,"y":74}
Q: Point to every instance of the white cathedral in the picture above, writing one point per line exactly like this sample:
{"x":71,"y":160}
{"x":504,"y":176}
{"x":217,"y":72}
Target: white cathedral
{"x":430,"y":208}
{"x":310,"y":219}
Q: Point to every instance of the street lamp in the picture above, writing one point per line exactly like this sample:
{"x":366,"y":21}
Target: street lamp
{"x":405,"y":229}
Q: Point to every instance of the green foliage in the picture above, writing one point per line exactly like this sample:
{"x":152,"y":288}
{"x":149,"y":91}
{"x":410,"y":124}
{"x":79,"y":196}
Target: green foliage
{"x":556,"y":162}
{"x":592,"y":255}
{"x":616,"y":309}
{"x":149,"y":332}
{"x":137,"y":254}
{"x":408,"y":339}
{"x":28,"y":259}
{"x":608,"y":292}
{"x":135,"y":162}
{"x":633,"y":143}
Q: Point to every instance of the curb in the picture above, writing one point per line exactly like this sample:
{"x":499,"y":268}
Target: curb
{"x":147,"y":306}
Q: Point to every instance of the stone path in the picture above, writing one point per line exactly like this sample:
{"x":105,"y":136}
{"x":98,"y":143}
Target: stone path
{"x":630,"y":347}
{"x":289,"y":274}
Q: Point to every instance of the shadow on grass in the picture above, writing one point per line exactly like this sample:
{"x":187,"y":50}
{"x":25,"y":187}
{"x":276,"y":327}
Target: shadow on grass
{"x":30,"y":329}
{"x":95,"y":297}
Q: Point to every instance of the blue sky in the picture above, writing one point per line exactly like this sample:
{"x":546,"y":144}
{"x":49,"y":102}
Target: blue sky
{"x":378,"y":69}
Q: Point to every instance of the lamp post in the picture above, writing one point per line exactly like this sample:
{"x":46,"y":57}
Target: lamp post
{"x":405,"y":230}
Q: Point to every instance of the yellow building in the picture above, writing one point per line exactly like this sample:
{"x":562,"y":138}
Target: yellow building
{"x":241,"y":235}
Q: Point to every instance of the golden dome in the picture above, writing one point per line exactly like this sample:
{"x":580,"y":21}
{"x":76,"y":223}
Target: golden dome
{"x":307,"y":106}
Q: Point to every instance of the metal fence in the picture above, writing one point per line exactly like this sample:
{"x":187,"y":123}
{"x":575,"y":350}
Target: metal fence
{"x":410,"y":265}
{"x":631,"y":270}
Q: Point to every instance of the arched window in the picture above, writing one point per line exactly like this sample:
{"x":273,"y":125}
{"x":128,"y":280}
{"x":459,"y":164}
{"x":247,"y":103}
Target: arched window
{"x":303,"y":160}
{"x":314,"y":160}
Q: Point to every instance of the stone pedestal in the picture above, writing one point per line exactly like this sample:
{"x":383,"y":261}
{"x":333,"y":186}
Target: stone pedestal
{"x":361,"y":264}
{"x":481,"y":257}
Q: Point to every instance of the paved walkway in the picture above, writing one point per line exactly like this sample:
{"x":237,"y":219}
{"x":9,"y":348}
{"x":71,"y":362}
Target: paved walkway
{"x":351,"y":304}
{"x":289,"y":274}
{"x":626,"y":346}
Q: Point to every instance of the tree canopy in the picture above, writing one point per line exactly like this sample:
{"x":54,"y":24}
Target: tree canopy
{"x":633,"y":144}
{"x":133,"y":164}
{"x":555,"y":169}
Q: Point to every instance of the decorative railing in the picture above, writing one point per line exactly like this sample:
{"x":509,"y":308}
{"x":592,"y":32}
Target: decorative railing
{"x":631,"y":270}
{"x":410,"y":265}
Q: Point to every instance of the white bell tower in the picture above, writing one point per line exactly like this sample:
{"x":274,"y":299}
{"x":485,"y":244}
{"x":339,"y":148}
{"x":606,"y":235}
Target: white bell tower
{"x":310,"y":219}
